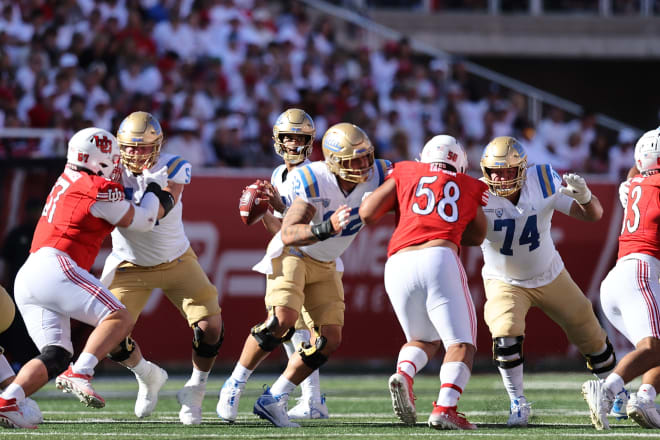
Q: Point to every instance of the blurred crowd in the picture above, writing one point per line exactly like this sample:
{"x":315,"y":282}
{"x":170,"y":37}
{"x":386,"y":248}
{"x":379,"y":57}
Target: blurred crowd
{"x":216,"y":73}
{"x":619,"y":7}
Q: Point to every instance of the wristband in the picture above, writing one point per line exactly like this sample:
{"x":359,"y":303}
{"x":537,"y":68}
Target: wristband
{"x":165,"y":197}
{"x":323,"y":230}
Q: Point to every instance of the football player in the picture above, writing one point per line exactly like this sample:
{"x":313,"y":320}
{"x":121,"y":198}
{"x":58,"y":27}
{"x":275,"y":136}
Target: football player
{"x":522,"y":268}
{"x":161,"y":258}
{"x":54,"y":284}
{"x":630,"y":295}
{"x":293,"y":136}
{"x":28,"y":407}
{"x":303,"y":267}
{"x":438,"y":208}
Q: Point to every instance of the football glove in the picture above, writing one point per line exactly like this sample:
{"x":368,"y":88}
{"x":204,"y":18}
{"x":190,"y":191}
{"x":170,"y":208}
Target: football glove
{"x":576,"y":188}
{"x":159,"y":177}
{"x":624,"y":189}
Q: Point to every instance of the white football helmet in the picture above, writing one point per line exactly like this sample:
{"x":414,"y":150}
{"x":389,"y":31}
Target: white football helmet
{"x":447,"y":150}
{"x":96,"y":150}
{"x":647,"y":151}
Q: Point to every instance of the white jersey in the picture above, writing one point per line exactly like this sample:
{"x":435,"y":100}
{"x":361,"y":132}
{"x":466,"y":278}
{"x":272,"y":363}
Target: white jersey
{"x":280,"y":182}
{"x":167,"y":240}
{"x":518,"y":249}
{"x":316,"y":185}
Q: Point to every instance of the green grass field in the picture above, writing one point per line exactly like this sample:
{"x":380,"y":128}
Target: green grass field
{"x":360,"y":408}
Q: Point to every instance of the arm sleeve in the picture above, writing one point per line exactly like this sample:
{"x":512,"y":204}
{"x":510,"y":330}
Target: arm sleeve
{"x":146,"y":213}
{"x":112,"y":212}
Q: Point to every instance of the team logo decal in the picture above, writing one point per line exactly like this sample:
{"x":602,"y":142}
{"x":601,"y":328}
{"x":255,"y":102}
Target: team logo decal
{"x":499,"y":212}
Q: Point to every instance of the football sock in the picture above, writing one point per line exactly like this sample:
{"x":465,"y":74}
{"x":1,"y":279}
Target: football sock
{"x":85,"y":364}
{"x":454,"y":376}
{"x":198,"y":377}
{"x":5,"y":369}
{"x":411,"y":360}
{"x":240,"y":373}
{"x":13,"y":391}
{"x":613,"y":383}
{"x":513,"y":381}
{"x":142,"y":368}
{"x":282,"y":386}
{"x":647,"y":391}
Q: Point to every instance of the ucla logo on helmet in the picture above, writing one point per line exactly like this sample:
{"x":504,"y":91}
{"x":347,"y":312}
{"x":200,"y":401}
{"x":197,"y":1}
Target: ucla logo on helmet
{"x":332,"y":144}
{"x":518,"y":148}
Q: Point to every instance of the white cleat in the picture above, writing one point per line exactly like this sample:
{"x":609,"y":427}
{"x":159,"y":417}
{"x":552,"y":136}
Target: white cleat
{"x":519,"y":412}
{"x":81,"y":386}
{"x":600,"y":402}
{"x":230,"y":395}
{"x":309,"y":409}
{"x":31,"y":412}
{"x":273,"y":409}
{"x":12,"y":417}
{"x":643,"y":411}
{"x":191,"y":397}
{"x":403,"y":398}
{"x":148,"y":388}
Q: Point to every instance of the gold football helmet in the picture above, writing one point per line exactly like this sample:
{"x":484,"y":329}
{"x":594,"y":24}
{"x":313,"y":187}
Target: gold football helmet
{"x":504,"y":152}
{"x":139,"y":130}
{"x":343,"y":143}
{"x":294,"y":121}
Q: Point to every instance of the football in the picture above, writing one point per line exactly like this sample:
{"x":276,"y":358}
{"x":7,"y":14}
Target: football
{"x":252,"y":206}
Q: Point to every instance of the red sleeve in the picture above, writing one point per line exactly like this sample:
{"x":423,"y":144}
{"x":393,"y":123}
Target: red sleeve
{"x":109,"y":191}
{"x":391,"y":171}
{"x":482,"y":193}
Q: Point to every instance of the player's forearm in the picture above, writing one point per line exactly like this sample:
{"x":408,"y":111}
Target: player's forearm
{"x":298,"y":235}
{"x":296,"y":230}
{"x":590,"y":212}
{"x":271,"y":223}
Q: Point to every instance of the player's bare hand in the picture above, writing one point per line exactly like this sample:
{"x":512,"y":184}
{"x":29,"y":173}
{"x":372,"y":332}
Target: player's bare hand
{"x":268,"y":191}
{"x":340,"y":217}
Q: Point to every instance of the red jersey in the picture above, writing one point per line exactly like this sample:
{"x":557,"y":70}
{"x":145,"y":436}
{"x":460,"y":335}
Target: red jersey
{"x":640,"y":232}
{"x":66,"y":222}
{"x":433,"y":203}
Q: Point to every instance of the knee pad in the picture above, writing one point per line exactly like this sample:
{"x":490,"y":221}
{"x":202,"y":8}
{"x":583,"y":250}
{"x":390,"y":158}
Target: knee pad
{"x":603,"y":362}
{"x":263,"y":333}
{"x":202,"y":348}
{"x":126,"y":347}
{"x":311,"y":354}
{"x":56,"y":359}
{"x":506,"y":355}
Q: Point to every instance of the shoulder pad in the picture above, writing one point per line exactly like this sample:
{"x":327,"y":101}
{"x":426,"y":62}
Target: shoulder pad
{"x":383,"y":168}
{"x":309,"y":181}
{"x":547,"y":178}
{"x":109,"y":191}
{"x":179,"y":170}
{"x":276,"y":172}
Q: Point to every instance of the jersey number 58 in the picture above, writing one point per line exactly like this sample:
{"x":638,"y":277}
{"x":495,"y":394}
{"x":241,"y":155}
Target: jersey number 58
{"x":447,"y":207}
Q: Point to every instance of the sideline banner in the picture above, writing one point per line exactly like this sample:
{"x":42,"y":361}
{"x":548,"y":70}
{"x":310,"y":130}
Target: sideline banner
{"x":227,"y":249}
